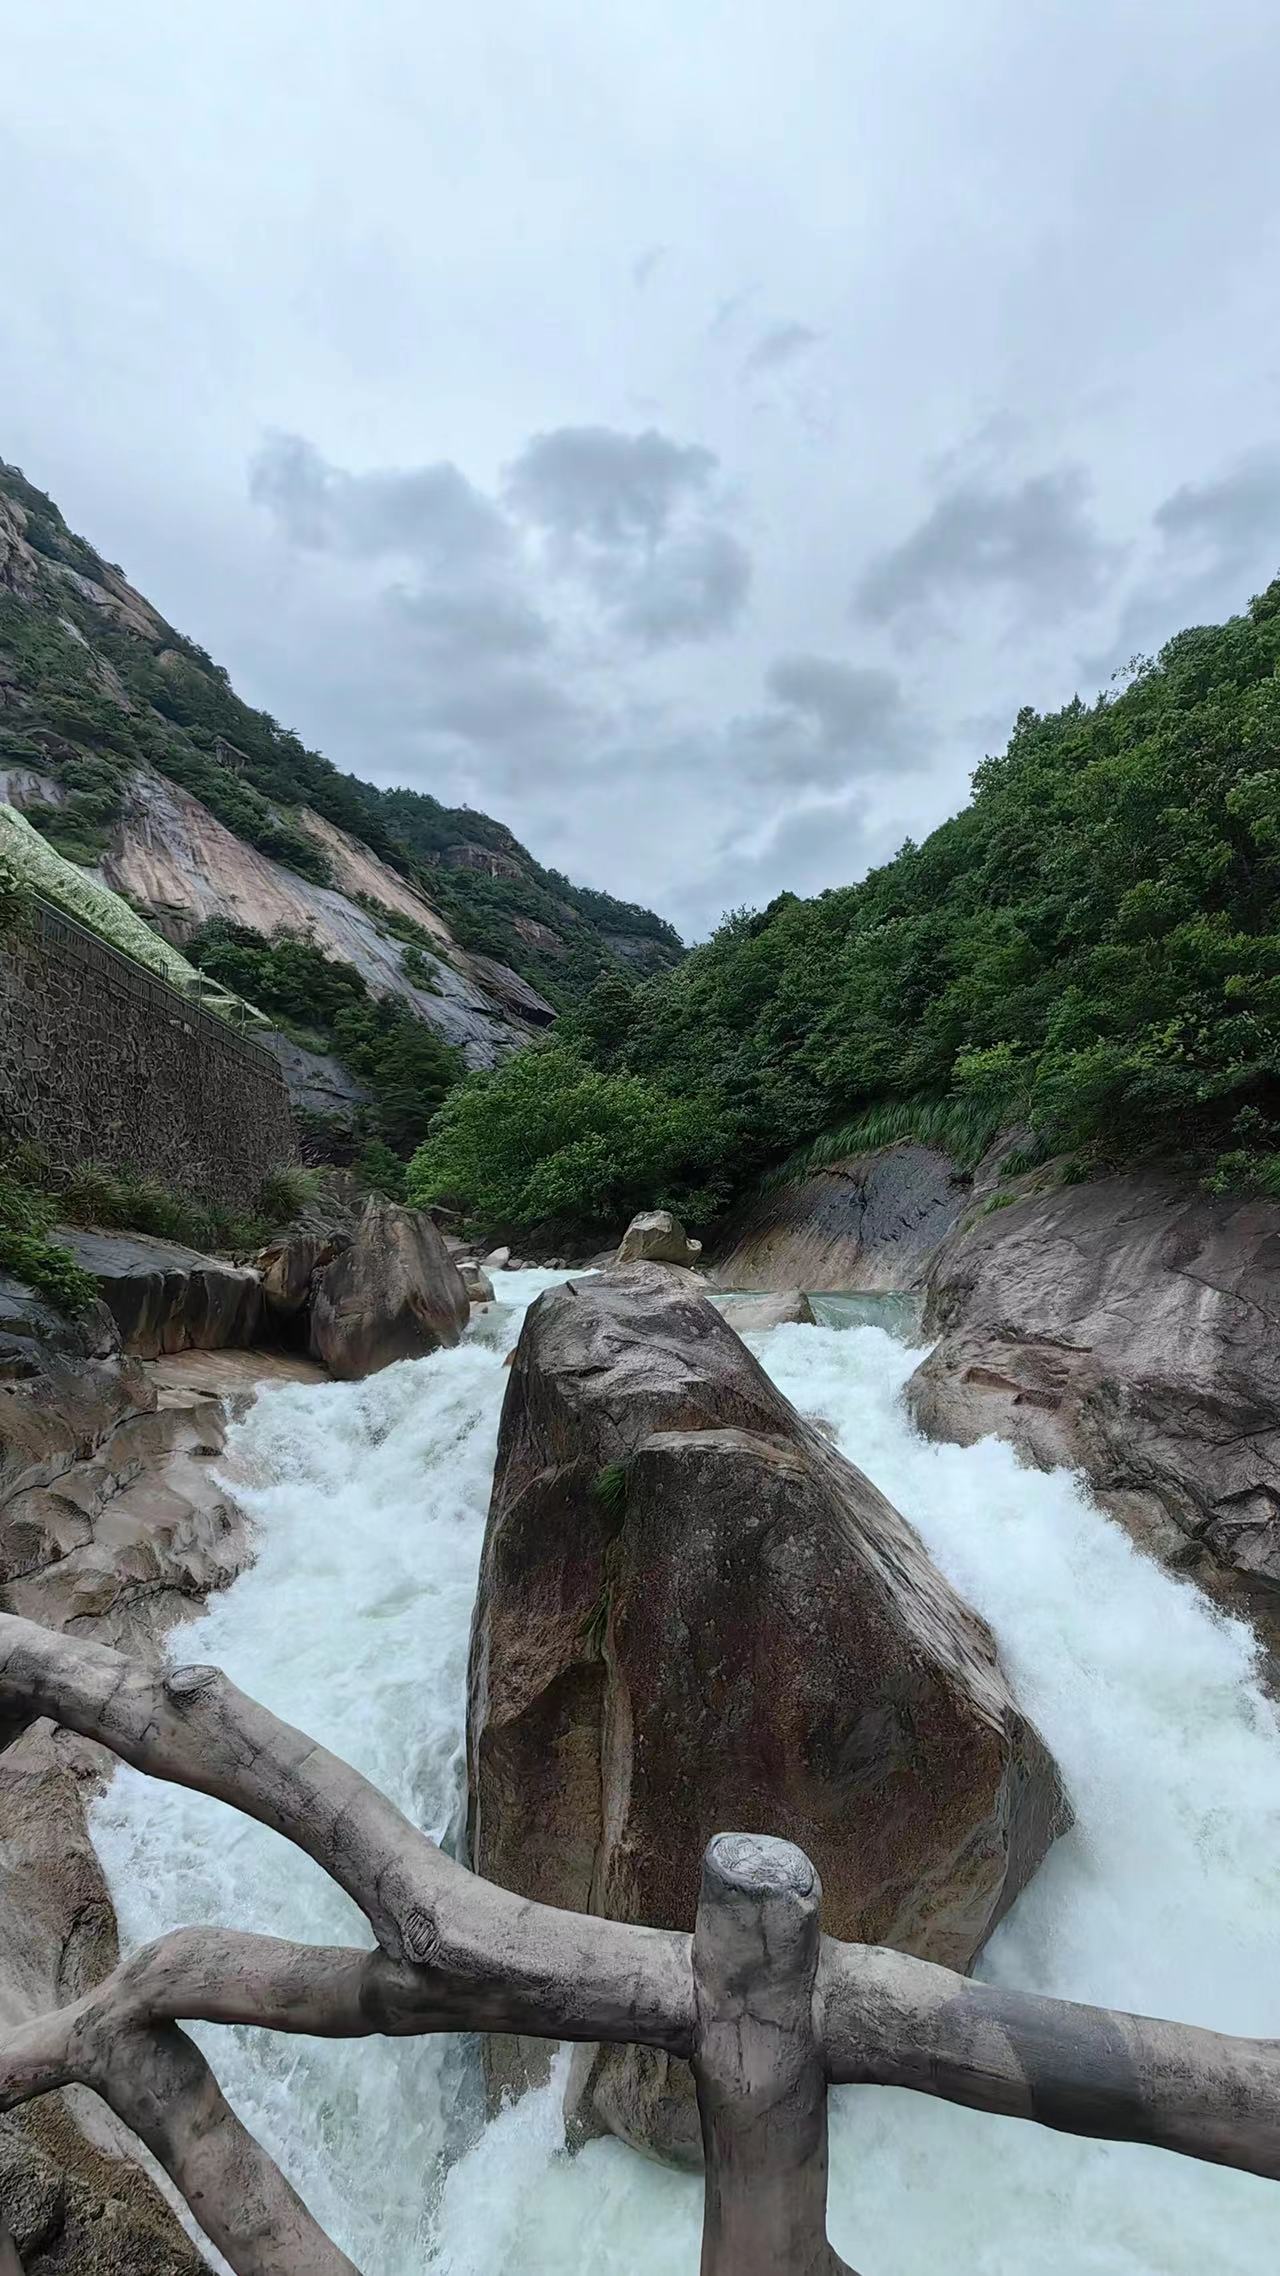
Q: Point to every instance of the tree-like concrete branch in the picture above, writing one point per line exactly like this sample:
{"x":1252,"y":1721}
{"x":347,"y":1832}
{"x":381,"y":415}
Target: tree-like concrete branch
{"x":889,"y":2020}
{"x":769,"y":2012}
{"x":512,"y":1961}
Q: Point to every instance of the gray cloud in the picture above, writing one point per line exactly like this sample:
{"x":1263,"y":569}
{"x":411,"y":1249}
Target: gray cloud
{"x":688,"y":589}
{"x":1233,"y":519}
{"x":1035,"y":540}
{"x":490,"y":620}
{"x":625,"y":516}
{"x":506,"y":708}
{"x":612,"y":489}
{"x":1219,"y":541}
{"x":780,"y":344}
{"x":832,"y":722}
{"x":429,"y":513}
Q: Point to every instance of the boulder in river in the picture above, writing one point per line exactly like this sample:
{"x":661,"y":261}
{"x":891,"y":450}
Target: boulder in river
{"x":395,"y":1293}
{"x":476,"y":1281}
{"x":693,"y":1613}
{"x":656,"y":1237}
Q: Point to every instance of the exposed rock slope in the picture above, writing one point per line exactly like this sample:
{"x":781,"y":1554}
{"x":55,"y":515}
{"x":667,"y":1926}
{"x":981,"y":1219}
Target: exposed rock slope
{"x":873,"y":1221}
{"x":131,"y":749}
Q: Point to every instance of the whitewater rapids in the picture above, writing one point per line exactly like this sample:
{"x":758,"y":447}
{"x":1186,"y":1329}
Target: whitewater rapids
{"x":370,"y":1500}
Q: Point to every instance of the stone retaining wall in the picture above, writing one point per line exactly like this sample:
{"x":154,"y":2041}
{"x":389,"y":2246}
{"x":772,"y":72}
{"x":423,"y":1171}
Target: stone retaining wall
{"x":100,"y":1061}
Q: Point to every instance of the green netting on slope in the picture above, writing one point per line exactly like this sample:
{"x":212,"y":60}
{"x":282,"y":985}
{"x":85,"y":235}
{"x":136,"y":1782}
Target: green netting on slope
{"x":28,"y":863}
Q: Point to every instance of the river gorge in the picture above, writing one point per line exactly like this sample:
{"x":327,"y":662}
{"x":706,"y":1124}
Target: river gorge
{"x":369,"y":1500}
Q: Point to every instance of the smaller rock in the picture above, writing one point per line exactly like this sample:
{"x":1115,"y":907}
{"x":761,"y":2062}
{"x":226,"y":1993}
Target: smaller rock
{"x":394,"y":1294}
{"x":497,"y":1260}
{"x":656,"y":1237}
{"x":288,"y":1267}
{"x":475,"y":1280}
{"x":751,"y":1315}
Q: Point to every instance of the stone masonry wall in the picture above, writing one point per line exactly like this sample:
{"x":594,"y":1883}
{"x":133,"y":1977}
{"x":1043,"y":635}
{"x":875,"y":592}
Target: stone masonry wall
{"x":100,"y":1061}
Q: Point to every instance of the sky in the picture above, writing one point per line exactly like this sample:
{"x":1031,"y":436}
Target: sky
{"x":687,"y":431}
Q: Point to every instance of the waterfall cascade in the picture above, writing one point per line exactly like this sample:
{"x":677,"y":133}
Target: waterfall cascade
{"x":353,"y":1623}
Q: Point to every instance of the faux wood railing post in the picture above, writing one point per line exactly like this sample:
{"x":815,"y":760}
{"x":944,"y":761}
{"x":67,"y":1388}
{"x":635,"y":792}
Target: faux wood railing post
{"x":759,"y":2067}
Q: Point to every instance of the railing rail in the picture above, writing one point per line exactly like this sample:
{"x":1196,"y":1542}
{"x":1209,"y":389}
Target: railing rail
{"x":768,"y":2012}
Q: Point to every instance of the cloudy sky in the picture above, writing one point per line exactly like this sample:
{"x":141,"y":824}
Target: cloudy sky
{"x":688,"y":430}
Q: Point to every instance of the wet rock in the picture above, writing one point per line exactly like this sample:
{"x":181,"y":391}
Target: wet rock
{"x":164,"y":1297}
{"x":475,"y":1280}
{"x":656,"y":1237}
{"x":694,"y":1613}
{"x":394,"y":1293}
{"x":497,"y":1260}
{"x":287,"y":1269}
{"x":1128,"y":1327}
{"x":752,"y":1315}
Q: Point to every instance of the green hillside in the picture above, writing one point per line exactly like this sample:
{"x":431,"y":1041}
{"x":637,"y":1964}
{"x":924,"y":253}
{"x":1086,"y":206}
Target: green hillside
{"x":1090,"y":950}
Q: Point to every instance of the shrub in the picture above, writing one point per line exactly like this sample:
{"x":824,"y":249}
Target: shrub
{"x":26,"y":1216}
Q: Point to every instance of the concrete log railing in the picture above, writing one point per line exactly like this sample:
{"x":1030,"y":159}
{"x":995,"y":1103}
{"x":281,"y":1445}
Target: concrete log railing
{"x":769,"y":2013}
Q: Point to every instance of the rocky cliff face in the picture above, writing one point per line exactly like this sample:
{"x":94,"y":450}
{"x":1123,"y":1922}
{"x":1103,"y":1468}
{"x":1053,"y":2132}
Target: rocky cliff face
{"x":131,"y":750}
{"x":181,"y":866}
{"x":1127,"y":1327}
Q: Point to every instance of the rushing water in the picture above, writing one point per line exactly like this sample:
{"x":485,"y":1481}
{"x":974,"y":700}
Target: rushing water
{"x":353,"y":1622}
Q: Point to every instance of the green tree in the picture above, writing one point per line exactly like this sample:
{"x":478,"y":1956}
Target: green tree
{"x":546,"y":1140}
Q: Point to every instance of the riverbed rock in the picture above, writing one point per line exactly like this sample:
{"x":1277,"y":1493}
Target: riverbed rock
{"x":497,"y":1260}
{"x":754,"y":1315}
{"x":694,"y":1613}
{"x":656,"y":1237}
{"x":1126,"y":1326}
{"x":112,"y":1520}
{"x":394,"y":1293}
{"x":476,"y":1281}
{"x":73,"y":2197}
{"x":165,"y":1297}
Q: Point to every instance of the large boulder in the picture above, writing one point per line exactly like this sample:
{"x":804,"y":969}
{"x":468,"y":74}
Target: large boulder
{"x":1126,"y":1326}
{"x":656,"y":1237}
{"x":165,"y":1297}
{"x":692,"y":1614}
{"x":395,"y":1293}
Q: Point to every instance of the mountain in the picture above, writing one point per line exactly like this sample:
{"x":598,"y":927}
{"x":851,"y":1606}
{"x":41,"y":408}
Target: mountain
{"x":128,"y":748}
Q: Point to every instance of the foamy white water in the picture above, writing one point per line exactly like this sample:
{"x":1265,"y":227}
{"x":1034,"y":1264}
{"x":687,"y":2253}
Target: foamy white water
{"x":1166,"y":1898}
